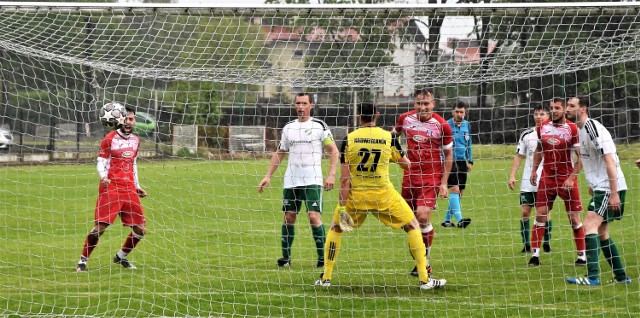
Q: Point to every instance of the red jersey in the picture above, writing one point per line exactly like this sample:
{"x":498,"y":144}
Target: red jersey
{"x":121,"y":151}
{"x":425,"y":142}
{"x":558,"y":142}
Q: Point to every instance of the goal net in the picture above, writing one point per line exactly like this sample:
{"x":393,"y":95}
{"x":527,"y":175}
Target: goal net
{"x":214,"y":86}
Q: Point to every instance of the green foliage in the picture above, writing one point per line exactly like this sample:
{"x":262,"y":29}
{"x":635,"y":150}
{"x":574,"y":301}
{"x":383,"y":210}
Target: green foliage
{"x":565,"y":36}
{"x":340,"y":55}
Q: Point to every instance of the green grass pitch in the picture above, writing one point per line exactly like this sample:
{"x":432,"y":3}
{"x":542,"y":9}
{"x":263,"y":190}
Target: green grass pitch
{"x":213,"y":241}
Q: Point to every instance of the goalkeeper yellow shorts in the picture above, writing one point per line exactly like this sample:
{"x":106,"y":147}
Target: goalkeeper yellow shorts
{"x":387,"y":205}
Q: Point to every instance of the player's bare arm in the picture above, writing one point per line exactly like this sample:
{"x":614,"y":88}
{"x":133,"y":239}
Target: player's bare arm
{"x":345,"y":184}
{"x":334,"y":156}
{"x":276,"y":158}
{"x":537,"y":158}
{"x":612,"y":174}
{"x":404,"y":163}
{"x":448,"y":163}
{"x":517,"y":160}
{"x":568,"y":184}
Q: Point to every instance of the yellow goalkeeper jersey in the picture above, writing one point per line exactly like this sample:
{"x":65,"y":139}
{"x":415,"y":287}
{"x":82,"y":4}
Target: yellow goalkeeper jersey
{"x":368,"y":151}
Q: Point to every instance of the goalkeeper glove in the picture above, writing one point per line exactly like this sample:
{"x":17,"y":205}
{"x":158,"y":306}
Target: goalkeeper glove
{"x":345,"y":220}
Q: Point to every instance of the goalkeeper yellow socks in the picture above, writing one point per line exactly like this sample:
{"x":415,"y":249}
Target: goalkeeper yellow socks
{"x":419,"y":253}
{"x":331,"y":250}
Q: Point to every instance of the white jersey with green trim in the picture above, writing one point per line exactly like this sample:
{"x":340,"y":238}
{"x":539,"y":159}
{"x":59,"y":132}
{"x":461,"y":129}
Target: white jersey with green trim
{"x":526,"y":148}
{"x":304,"y":141}
{"x":595,"y":142}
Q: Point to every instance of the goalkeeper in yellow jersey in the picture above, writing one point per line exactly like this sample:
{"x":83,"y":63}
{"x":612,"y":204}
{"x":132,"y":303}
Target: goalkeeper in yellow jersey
{"x":365,"y":189}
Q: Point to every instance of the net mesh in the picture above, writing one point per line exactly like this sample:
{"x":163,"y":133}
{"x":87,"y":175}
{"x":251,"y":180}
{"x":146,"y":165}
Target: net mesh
{"x":213,"y":88}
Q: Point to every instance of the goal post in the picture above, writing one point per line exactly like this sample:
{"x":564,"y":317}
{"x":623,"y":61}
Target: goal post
{"x":213,"y":86}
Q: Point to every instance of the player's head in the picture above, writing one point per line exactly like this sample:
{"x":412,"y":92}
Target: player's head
{"x":424,"y":103}
{"x":129,"y":120}
{"x":303,"y":105}
{"x":577,"y":108}
{"x":459,"y":111}
{"x":368,"y":113}
{"x":557,"y":107}
{"x":540,"y":114}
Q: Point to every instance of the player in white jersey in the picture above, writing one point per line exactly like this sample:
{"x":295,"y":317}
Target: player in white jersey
{"x":607,"y":186}
{"x":526,"y":148}
{"x":303,"y":139}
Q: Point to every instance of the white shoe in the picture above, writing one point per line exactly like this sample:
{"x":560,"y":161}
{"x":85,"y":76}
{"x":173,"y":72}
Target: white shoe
{"x":323,"y":283}
{"x":432,"y":283}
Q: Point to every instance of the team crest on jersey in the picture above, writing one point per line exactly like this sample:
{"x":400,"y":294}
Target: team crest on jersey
{"x":127,"y":154}
{"x":307,"y":132}
{"x":553,"y":141}
{"x":419,"y":138}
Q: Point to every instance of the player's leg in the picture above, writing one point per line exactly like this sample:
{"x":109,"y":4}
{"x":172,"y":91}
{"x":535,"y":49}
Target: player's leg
{"x":132,"y":216}
{"x":573,"y":207}
{"x":313,"y":200}
{"x":291,"y":204}
{"x":526,"y":203}
{"x":453,"y":208}
{"x":609,"y":248}
{"x":544,"y":202}
{"x":397,"y":214}
{"x":90,"y":242}
{"x":546,"y":242}
{"x":105,"y":213}
{"x":456,"y":207}
{"x":334,"y":237}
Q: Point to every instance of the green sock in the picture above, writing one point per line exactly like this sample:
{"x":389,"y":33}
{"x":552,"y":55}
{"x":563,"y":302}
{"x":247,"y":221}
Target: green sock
{"x":612,"y":255}
{"x":547,"y":232}
{"x":319,"y":236}
{"x":593,"y":253}
{"x":287,"y":240}
{"x":525,"y":232}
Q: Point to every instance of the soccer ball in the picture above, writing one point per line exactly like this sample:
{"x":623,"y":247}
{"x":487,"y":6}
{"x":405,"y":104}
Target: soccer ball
{"x":112,"y":115}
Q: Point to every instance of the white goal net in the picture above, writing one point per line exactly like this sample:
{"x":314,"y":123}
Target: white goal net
{"x":214,"y":86}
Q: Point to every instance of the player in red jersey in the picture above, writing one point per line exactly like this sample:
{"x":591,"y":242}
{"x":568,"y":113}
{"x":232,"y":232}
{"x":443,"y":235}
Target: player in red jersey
{"x":429,"y":137}
{"x":558,"y":138}
{"x":119,"y":192}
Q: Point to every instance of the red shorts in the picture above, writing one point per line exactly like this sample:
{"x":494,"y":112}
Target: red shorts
{"x":548,"y":189}
{"x":124,"y":203}
{"x":420,"y":191}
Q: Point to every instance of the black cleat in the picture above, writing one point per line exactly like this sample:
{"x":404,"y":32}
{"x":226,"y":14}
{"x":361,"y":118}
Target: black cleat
{"x":546,"y":247}
{"x":534,"y":261}
{"x":464,"y":223}
{"x":320,"y":263}
{"x":526,"y":249}
{"x":123,"y":261}
{"x":414,"y":271}
{"x":81,"y":267}
{"x":283,"y":262}
{"x":447,"y":224}
{"x":581,"y":262}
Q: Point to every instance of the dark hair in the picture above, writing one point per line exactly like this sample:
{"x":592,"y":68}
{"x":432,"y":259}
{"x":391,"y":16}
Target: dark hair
{"x":583,"y":101}
{"x":130,"y":109}
{"x":541,"y":108}
{"x":422,"y":91}
{"x":306,"y":94}
{"x":559,"y":100}
{"x":459,"y":104}
{"x":367,"y":112}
